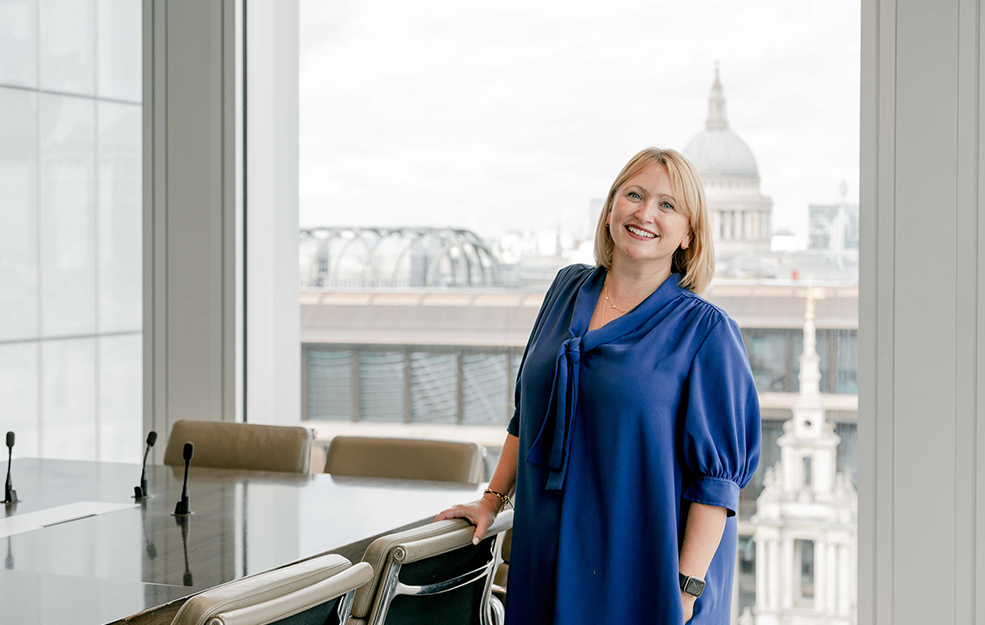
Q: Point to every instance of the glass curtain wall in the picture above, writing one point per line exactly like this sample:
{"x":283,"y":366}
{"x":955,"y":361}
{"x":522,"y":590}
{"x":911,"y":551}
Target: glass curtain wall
{"x":70,"y":228}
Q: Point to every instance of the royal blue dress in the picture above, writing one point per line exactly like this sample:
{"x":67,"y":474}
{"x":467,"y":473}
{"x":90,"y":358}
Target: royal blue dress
{"x":619,"y":429}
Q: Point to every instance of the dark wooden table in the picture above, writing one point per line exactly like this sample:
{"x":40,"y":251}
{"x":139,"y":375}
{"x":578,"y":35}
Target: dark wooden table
{"x":137,"y":565}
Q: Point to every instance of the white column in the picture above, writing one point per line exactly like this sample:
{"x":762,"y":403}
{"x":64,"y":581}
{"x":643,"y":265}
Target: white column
{"x":833,"y":572}
{"x":774,"y":573}
{"x":789,"y":579}
{"x":762,"y":591}
{"x":845,"y":581}
{"x":820,"y":574}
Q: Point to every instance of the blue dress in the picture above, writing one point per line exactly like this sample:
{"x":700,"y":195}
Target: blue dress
{"x":619,"y":428}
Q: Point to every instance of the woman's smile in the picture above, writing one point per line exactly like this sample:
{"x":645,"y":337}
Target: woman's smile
{"x":640,"y":233}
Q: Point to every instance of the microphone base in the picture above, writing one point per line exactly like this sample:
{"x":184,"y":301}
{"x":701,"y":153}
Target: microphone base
{"x":136,"y":494}
{"x":182,"y":508}
{"x":11,"y":498}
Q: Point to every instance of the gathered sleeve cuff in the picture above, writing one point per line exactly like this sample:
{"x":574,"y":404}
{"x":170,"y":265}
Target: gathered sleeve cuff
{"x":722,"y":432}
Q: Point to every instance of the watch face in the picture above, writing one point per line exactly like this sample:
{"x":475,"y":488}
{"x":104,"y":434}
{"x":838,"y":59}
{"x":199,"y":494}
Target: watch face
{"x":694,"y":586}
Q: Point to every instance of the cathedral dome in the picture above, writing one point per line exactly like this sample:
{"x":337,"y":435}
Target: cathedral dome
{"x":718,"y":151}
{"x":721,"y":152}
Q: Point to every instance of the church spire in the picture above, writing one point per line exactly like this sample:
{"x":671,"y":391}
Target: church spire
{"x":716,"y":105}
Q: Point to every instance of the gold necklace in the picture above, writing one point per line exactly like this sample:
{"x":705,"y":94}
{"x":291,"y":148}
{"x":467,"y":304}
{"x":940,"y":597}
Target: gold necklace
{"x":606,"y":286}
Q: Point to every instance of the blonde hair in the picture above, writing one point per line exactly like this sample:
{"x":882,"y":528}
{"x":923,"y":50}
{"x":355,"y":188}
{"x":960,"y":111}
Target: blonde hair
{"x":696,"y":263}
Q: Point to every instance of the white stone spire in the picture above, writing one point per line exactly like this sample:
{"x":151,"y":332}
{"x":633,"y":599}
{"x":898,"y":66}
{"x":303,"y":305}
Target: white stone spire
{"x":716,"y":105}
{"x":806,"y":510}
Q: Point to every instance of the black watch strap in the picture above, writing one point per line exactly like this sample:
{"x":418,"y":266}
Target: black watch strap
{"x":693,"y":586}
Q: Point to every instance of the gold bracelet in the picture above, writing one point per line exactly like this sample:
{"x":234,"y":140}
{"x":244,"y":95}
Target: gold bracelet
{"x":502,"y":497}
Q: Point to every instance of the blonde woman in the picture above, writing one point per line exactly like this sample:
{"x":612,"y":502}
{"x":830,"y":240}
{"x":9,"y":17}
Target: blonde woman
{"x":636,"y":423}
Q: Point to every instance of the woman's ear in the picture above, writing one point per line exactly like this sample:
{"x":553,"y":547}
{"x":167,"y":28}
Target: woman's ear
{"x":686,"y":241}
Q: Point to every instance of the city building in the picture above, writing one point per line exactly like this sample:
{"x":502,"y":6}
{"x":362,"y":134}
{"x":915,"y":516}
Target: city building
{"x":806,"y":520}
{"x":741,"y":215}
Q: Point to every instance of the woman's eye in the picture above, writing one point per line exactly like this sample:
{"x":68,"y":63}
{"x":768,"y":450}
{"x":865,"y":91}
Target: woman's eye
{"x":668,"y":206}
{"x":635,"y":195}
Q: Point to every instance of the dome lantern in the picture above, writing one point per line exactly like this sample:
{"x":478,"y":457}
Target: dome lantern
{"x":716,"y":105}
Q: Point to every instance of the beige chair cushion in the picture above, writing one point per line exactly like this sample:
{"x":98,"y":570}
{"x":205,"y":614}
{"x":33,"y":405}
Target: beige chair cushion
{"x":419,"y":543}
{"x":281,"y":592}
{"x":223,"y":445}
{"x":402,"y":458}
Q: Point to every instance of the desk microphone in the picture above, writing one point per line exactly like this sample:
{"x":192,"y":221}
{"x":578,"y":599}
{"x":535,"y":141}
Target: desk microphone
{"x":139,"y":492}
{"x":9,"y":494}
{"x":182,"y":507}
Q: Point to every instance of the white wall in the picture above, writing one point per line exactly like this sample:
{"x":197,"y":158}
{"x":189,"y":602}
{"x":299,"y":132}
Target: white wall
{"x":273,"y":386}
{"x":190,"y":214}
{"x":921,"y":430}
{"x":222,"y":334}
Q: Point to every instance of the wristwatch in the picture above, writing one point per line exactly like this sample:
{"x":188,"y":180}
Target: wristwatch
{"x":693,"y":586}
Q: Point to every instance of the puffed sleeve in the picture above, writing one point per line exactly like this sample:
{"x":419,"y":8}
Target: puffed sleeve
{"x":721,"y":433}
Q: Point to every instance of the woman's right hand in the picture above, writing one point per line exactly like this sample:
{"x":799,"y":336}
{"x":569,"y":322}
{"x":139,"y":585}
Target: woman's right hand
{"x":479,"y":513}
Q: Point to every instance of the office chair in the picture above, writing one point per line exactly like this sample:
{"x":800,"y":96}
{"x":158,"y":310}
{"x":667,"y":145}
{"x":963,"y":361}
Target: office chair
{"x":432,"y":574}
{"x":224,"y":445}
{"x":319,"y":590}
{"x":403,"y":458}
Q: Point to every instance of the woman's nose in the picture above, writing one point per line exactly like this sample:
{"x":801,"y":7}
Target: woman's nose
{"x":646,"y":209}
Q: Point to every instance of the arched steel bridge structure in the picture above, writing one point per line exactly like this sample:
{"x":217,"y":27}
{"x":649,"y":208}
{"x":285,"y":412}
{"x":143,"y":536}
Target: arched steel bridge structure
{"x":340,"y":257}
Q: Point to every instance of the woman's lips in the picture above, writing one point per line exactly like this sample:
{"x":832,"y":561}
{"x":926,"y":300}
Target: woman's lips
{"x":641,"y":233}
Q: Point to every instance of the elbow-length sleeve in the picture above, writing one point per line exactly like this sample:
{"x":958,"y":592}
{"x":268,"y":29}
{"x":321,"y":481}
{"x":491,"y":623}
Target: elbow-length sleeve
{"x":721,"y":429}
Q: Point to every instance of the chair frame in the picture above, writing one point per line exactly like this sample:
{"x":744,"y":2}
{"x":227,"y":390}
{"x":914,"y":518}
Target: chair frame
{"x":491,"y":610}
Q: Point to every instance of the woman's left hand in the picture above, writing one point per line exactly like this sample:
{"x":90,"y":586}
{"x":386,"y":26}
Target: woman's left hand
{"x":687,"y":601}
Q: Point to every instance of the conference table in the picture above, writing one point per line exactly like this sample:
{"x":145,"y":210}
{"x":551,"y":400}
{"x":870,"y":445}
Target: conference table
{"x":78,"y":548}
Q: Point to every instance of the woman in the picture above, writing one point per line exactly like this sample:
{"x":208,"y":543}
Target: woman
{"x":636,"y":423}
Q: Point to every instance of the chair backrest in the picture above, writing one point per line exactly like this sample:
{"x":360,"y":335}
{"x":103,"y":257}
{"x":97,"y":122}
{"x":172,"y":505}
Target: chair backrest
{"x":402,"y":458}
{"x":411,"y":567}
{"x":318,"y":590}
{"x":223,"y":445}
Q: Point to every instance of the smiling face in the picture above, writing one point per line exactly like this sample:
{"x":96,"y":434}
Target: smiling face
{"x":647,"y":223}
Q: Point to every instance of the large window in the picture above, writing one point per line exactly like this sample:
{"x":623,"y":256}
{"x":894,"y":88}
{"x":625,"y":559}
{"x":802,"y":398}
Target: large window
{"x":70,"y":228}
{"x":454,"y":158}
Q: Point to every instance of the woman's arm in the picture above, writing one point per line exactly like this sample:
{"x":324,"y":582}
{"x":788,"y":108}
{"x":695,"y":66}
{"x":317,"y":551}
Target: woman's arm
{"x":702,"y":533}
{"x":483,"y":512}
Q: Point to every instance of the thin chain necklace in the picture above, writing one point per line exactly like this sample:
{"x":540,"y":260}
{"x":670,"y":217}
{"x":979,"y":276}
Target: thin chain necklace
{"x":606,"y":285}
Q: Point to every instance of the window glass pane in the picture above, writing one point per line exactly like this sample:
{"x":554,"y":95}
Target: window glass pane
{"x":120,"y":217}
{"x":484,"y":376}
{"x":768,"y":359}
{"x":18,"y":43}
{"x":68,"y":46}
{"x":68,"y":399}
{"x":68,"y":281}
{"x":121,"y":398}
{"x":848,"y":450}
{"x":329,"y":385}
{"x":119,"y":48}
{"x":381,"y":386}
{"x":434,"y":387}
{"x":19,"y":395}
{"x":19,"y":215}
{"x":846,"y":354}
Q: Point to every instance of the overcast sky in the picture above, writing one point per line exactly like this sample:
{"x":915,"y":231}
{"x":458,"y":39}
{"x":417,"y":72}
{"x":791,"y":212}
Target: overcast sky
{"x":515,"y":115}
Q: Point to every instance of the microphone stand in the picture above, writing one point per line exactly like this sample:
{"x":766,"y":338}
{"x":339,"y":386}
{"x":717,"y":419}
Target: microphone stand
{"x":183,"y":507}
{"x":9,"y":494}
{"x":140,"y":492}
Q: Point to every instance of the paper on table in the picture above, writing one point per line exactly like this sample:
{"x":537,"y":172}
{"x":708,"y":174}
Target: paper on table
{"x":21,"y":523}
